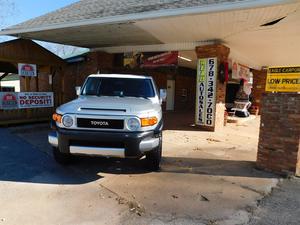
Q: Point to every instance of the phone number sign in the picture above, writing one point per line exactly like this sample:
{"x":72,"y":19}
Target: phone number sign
{"x":206,"y":92}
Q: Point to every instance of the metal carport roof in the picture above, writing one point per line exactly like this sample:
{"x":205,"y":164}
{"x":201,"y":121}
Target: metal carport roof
{"x":126,"y":25}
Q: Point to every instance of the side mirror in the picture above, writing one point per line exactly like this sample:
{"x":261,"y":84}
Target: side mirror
{"x":162,"y":95}
{"x":78,"y":90}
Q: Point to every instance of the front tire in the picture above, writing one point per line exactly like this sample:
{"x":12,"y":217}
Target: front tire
{"x":154,"y":157}
{"x":61,"y":158}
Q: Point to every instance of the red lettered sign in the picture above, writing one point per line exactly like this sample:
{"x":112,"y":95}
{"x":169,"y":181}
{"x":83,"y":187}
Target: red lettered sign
{"x":35,"y":100}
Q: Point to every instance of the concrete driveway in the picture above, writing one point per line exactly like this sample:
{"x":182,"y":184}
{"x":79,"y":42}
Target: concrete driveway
{"x":206,"y":178}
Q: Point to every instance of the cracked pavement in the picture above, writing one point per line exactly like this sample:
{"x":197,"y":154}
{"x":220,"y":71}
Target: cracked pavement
{"x":206,"y":178}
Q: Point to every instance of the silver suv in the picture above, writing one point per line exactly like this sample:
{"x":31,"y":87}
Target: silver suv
{"x":114,"y":116}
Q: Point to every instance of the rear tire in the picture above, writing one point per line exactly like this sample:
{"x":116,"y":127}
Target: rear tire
{"x":154,"y":157}
{"x":61,"y":158}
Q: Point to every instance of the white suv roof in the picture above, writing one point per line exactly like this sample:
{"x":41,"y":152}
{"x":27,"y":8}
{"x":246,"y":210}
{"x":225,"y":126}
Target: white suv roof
{"x":120,"y":76}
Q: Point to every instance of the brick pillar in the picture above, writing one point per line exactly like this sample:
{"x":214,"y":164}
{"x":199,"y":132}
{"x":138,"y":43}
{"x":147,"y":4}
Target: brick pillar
{"x":279,"y":138}
{"x":259,"y":86}
{"x":221,"y":52}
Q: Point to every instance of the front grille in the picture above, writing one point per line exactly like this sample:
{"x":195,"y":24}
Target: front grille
{"x":101,"y":144}
{"x":100,"y":123}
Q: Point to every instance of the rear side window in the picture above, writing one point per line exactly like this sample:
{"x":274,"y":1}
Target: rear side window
{"x":104,"y":86}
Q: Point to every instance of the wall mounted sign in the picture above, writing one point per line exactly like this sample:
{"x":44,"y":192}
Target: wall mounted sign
{"x":206,"y":92}
{"x":150,"y":59}
{"x":161,"y":60}
{"x":8,"y":100}
{"x":239,"y":71}
{"x":283,"y":79}
{"x":27,"y":70}
{"x":24,"y":100}
{"x":35,"y":100}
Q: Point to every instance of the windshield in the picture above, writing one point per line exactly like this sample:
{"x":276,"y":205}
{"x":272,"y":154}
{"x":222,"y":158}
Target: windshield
{"x":122,"y":87}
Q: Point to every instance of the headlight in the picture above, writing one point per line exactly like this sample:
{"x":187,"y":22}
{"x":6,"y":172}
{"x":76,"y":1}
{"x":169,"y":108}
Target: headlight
{"x":133,"y":124}
{"x":67,"y":121}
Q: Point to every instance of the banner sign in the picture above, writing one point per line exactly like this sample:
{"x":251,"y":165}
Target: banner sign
{"x":151,"y":59}
{"x":8,"y":100}
{"x":206,"y":92}
{"x":24,"y":100}
{"x":161,"y":60}
{"x":239,"y":71}
{"x":283,"y":79}
{"x":27,"y":70}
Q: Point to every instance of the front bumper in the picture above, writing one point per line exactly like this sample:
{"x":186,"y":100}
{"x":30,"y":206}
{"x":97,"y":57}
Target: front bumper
{"x":108,"y":144}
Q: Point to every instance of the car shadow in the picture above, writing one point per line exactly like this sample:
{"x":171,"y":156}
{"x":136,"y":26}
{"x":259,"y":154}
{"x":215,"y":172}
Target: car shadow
{"x":201,"y":166}
{"x":22,"y":162}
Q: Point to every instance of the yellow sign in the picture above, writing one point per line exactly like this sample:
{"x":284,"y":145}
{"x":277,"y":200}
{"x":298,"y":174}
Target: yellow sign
{"x":283,"y":79}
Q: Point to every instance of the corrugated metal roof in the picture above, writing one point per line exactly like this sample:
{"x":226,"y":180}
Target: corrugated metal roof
{"x":97,"y":9}
{"x":11,"y":77}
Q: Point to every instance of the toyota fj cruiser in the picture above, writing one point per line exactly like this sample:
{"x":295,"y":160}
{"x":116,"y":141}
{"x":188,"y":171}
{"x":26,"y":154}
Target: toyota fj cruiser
{"x":114,"y":116}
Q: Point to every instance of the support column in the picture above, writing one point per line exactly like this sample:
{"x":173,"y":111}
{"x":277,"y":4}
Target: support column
{"x":279,"y":138}
{"x":220,"y":52}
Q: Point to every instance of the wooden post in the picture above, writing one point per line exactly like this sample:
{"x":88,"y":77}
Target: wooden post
{"x":37,"y":83}
{"x":27,"y":89}
{"x":27,"y":84}
{"x":62,"y":86}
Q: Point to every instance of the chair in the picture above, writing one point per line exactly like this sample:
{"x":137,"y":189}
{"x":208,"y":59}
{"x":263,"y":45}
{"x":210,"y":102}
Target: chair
{"x":242,"y":107}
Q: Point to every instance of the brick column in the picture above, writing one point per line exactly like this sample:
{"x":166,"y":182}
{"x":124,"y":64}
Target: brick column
{"x":259,"y":86}
{"x":279,"y":138}
{"x":221,"y":52}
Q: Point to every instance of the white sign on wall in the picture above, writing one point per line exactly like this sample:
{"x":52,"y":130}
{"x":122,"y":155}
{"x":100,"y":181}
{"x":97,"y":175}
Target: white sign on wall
{"x":24,"y":100}
{"x":239,"y":71}
{"x":206,"y":92}
{"x":35,"y":100}
{"x":27,"y":70}
{"x":8,"y":100}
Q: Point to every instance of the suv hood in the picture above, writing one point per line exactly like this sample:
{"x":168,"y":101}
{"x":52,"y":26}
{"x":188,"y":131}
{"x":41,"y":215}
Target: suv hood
{"x":107,"y":105}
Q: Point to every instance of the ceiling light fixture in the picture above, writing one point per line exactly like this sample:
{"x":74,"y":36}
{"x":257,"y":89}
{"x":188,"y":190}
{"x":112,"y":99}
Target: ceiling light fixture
{"x":183,"y":58}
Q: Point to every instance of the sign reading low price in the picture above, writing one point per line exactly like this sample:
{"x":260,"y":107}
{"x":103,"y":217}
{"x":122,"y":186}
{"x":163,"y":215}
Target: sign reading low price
{"x":283,"y":79}
{"x":35,"y":100}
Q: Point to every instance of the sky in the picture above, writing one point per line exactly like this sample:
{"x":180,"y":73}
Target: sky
{"x":24,"y":10}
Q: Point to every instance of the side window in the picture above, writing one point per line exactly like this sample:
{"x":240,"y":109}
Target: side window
{"x":149,"y":88}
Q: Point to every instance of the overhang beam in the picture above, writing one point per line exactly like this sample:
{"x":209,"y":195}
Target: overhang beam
{"x":185,"y":46}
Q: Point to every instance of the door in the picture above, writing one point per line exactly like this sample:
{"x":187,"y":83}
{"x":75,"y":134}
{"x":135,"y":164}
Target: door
{"x":170,"y":95}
